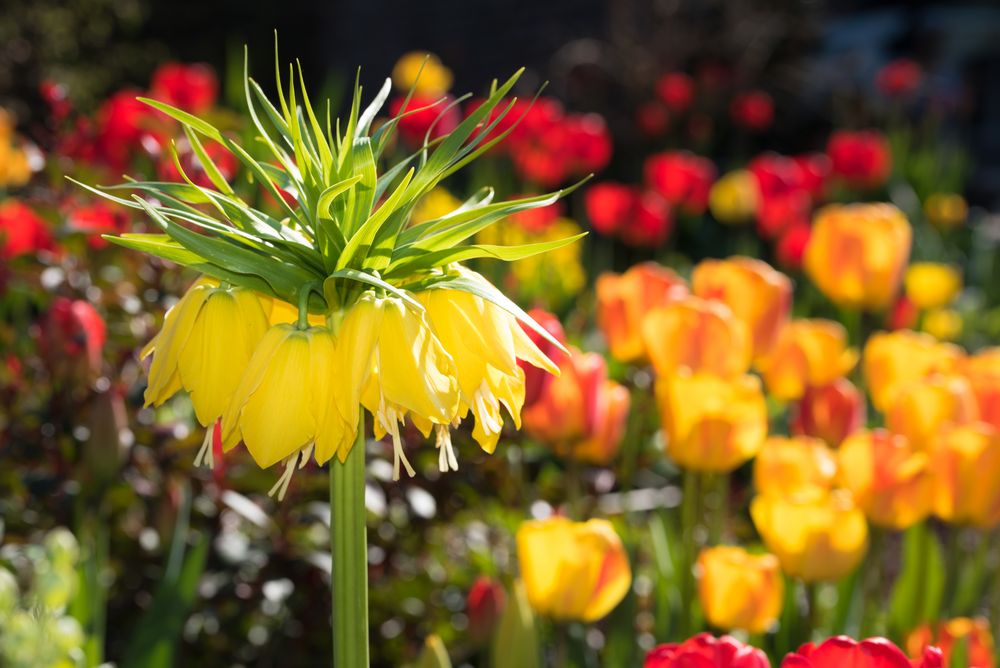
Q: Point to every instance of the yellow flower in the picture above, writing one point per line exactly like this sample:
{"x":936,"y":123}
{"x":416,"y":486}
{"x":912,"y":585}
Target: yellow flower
{"x":893,"y":360}
{"x":931,"y":285}
{"x":699,"y":335}
{"x":946,"y":211}
{"x":815,"y":536}
{"x":437,"y":203}
{"x":554,"y":277}
{"x":857,"y":253}
{"x":965,"y":462}
{"x":809,"y":353}
{"x":284,"y":404}
{"x":573,"y":570}
{"x":944,"y":324}
{"x":434,"y":77}
{"x":485,"y":342}
{"x":739,"y":590}
{"x":204,"y":347}
{"x":734,"y":198}
{"x":924,"y":407}
{"x":790,"y":466}
{"x":712,"y":424}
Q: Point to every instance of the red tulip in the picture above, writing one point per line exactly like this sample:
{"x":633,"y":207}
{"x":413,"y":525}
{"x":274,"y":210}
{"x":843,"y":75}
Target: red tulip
{"x":861,"y":159}
{"x":682,"y":178}
{"x":844,"y":652}
{"x":424,"y":114}
{"x":193,"y":88}
{"x":903,"y":315}
{"x":609,"y":206}
{"x":484,"y":605}
{"x":639,"y":218}
{"x":753,"y":110}
{"x":22,"y":231}
{"x":784,"y":211}
{"x":814,"y":172}
{"x":792,"y":245}
{"x":56,"y":98}
{"x":899,"y":78}
{"x":588,"y":142}
{"x":73,"y":333}
{"x":831,"y":412}
{"x":676,"y":89}
{"x":125,"y":126}
{"x":536,"y":380}
{"x":96,"y":219}
{"x":706,"y":651}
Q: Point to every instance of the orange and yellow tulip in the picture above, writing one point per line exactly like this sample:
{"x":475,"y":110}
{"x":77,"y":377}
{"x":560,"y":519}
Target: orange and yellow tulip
{"x":712,"y":424}
{"x":890,"y":480}
{"x":892,"y":360}
{"x":791,"y":466}
{"x":816,"y":536}
{"x":857,"y":253}
{"x":983,"y":372}
{"x":943,"y":635}
{"x":809,"y":353}
{"x":830,"y":412}
{"x":924,"y":407}
{"x":698,"y":335}
{"x":965,"y":462}
{"x":758,"y":294}
{"x":931,"y":285}
{"x":573,"y":570}
{"x":739,"y":590}
{"x":623,"y":300}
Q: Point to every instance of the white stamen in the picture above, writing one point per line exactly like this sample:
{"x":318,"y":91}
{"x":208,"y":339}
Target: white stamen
{"x":282,"y":485}
{"x":205,"y":453}
{"x":490,"y":424}
{"x":446,"y":453}
{"x":390,"y":422}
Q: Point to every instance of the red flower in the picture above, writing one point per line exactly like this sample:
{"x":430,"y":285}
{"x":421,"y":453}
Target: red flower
{"x":780,"y":213}
{"x":96,"y":219}
{"x":792,"y":245}
{"x":549,"y":146}
{"x":814,"y":172}
{"x":425,"y":114}
{"x":706,"y":651}
{"x":609,"y":205}
{"x":899,"y":78}
{"x":639,"y":218}
{"x":903,"y":314}
{"x":72,"y":332}
{"x":682,"y":178}
{"x":484,"y":605}
{"x":776,"y":174}
{"x":652,"y":221}
{"x":753,"y":110}
{"x":124,"y":126}
{"x":22,"y":231}
{"x":517,"y":110}
{"x":652,"y":118}
{"x":193,"y":88}
{"x":56,"y":98}
{"x":536,"y":380}
{"x":589,"y":143}
{"x":862,"y":159}
{"x":676,"y":89}
{"x":831,"y":412}
{"x":843,"y":652}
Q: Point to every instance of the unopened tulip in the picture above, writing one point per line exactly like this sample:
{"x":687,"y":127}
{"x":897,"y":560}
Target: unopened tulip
{"x":946,"y":211}
{"x":965,"y":462}
{"x":791,"y":466}
{"x":423,"y":72}
{"x":895,"y":359}
{"x":808,"y":353}
{"x":923,"y":408}
{"x":739,"y":590}
{"x":573,"y":570}
{"x":844,"y":652}
{"x":712,"y":424}
{"x":815,"y":536}
{"x":890,"y":480}
{"x":484,"y":606}
{"x":931,"y":285}
{"x":975,"y":633}
{"x":623,"y":300}
{"x":758,"y":294}
{"x":734,"y":198}
{"x":829,"y":412}
{"x":857,"y":253}
{"x":698,"y":335}
{"x":706,"y":651}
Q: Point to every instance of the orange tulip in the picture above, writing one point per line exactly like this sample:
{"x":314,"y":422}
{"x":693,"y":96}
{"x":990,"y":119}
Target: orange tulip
{"x":790,"y":466}
{"x":965,"y":462}
{"x":924,"y":407}
{"x":739,"y":590}
{"x":816,"y":536}
{"x":623,"y":301}
{"x":830,"y":412}
{"x":857,"y":253}
{"x":580,"y":413}
{"x":894,"y":359}
{"x":758,"y":294}
{"x":983,"y":372}
{"x":808,"y":353}
{"x":573,"y":570}
{"x":697,"y":335}
{"x":890,"y":480}
{"x":943,"y":635}
{"x":712,"y":424}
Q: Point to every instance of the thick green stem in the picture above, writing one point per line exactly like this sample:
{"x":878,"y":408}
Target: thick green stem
{"x":349,"y":550}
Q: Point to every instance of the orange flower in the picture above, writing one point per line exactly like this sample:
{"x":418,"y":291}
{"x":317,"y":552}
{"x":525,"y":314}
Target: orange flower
{"x":739,"y":590}
{"x":830,"y":412}
{"x":966,"y":466}
{"x":758,"y":294}
{"x":857,"y":253}
{"x":943,"y":635}
{"x":895,"y":359}
{"x":789,"y":466}
{"x":712,"y":424}
{"x":698,"y":335}
{"x":808,"y":353}
{"x":890,"y":480}
{"x":580,"y":413}
{"x":924,"y":407}
{"x":624,"y":299}
{"x":983,"y":372}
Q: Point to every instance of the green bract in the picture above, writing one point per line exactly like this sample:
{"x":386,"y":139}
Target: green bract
{"x":348,"y":228}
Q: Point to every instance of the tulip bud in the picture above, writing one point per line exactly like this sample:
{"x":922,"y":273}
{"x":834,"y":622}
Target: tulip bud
{"x":791,"y":466}
{"x":734,"y":198}
{"x":484,"y":605}
{"x":516,"y":643}
{"x":434,"y":654}
{"x":829,"y":412}
{"x":424,"y":73}
{"x":946,"y":211}
{"x":739,"y":590}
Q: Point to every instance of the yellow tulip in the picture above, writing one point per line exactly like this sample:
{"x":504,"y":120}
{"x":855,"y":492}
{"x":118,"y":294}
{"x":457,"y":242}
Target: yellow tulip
{"x":712,"y":424}
{"x":931,"y":285}
{"x":857,"y":253}
{"x":890,"y":480}
{"x":808,"y":353}
{"x":739,"y":590}
{"x":437,"y":203}
{"x":815,"y":536}
{"x":424,"y":72}
{"x":698,"y":335}
{"x":623,"y":300}
{"x":893,"y":360}
{"x":573,"y":570}
{"x":734,"y":198}
{"x":946,"y":211}
{"x":758,"y":294}
{"x":965,"y":462}
{"x":790,"y":466}
{"x":944,"y":324}
{"x":924,"y":407}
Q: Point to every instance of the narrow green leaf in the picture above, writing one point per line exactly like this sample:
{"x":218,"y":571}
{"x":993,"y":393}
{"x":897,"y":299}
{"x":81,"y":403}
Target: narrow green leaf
{"x":360,"y":242}
{"x":446,"y":256}
{"x":204,"y":127}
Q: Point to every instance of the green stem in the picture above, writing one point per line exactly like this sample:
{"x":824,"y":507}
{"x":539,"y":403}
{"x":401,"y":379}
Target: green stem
{"x":689,"y":520}
{"x":349,"y":551}
{"x":871,"y":599}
